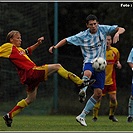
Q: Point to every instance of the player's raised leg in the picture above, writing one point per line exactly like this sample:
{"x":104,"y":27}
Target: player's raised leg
{"x":67,"y":75}
{"x":87,"y":73}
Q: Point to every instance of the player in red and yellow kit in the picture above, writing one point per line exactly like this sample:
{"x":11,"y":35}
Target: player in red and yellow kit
{"x":112,"y":58}
{"x":30,"y":74}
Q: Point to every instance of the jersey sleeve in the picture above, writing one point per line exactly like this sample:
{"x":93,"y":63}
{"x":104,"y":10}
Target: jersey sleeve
{"x":130,"y":57}
{"x":108,"y":29}
{"x":28,"y":51}
{"x":117,"y":54}
{"x":76,"y":39}
{"x":5,"y":50}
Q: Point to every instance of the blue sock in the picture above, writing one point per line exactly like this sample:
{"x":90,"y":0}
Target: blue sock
{"x":85,"y":78}
{"x":88,"y":107}
{"x":130,"y":107}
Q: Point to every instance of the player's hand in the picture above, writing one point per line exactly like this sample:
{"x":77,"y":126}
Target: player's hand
{"x":116,"y":38}
{"x":40,"y":40}
{"x":118,"y":65}
{"x":51,"y":49}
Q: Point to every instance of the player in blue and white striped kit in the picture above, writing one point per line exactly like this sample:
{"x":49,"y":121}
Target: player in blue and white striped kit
{"x":92,"y":42}
{"x":130,"y":103}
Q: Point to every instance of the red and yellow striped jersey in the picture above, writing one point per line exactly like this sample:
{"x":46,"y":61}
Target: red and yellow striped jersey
{"x":18,"y":57}
{"x":112,"y":56}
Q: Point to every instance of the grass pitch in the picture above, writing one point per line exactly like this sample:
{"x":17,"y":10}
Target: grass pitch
{"x":65,"y":123}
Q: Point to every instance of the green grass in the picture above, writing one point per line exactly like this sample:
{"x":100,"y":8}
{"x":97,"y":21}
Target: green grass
{"x":65,"y":123}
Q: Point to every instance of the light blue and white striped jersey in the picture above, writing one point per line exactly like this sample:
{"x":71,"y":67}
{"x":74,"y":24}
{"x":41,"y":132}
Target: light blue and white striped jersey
{"x":130,"y":59}
{"x":92,"y":45}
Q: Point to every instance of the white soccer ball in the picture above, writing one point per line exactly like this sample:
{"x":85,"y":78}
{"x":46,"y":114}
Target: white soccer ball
{"x":99,"y":64}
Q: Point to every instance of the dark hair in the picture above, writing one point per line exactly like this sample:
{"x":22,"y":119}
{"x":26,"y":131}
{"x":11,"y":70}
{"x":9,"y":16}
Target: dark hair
{"x":91,"y":17}
{"x":11,"y":34}
{"x":109,"y":35}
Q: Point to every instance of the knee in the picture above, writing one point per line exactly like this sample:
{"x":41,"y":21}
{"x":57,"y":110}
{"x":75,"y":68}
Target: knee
{"x":58,"y":66}
{"x":87,"y":73}
{"x":113,"y":100}
{"x":29,"y":100}
{"x":98,"y":96}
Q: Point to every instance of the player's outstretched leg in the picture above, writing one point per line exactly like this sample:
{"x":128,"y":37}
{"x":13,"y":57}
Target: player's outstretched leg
{"x":81,"y":83}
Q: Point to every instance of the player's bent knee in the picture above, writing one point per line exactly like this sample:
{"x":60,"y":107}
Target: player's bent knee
{"x":58,"y":66}
{"x":99,"y":96}
{"x":30,"y":100}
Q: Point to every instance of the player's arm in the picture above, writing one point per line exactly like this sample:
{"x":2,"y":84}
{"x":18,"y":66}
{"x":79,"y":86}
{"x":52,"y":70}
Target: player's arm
{"x":118,"y":65}
{"x":39,"y":41}
{"x":30,"y":49}
{"x":59,"y":44}
{"x":131,"y":65}
{"x":119,"y":30}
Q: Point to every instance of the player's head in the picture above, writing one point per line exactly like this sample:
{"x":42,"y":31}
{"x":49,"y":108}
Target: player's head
{"x":108,"y":41}
{"x":14,"y":37}
{"x":92,"y":23}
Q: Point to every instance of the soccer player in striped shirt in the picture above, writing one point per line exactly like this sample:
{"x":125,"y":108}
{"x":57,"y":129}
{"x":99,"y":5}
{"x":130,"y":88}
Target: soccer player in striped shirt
{"x":30,"y":74}
{"x":130,"y":102}
{"x":92,"y":42}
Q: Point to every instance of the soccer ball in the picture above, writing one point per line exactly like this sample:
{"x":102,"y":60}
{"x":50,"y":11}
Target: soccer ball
{"x":99,"y":64}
